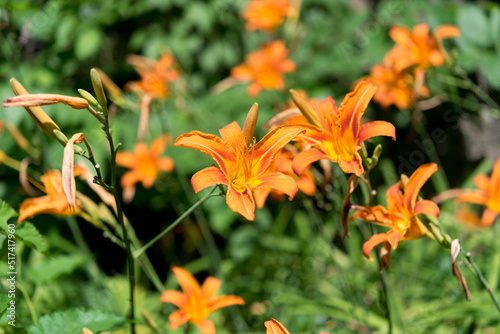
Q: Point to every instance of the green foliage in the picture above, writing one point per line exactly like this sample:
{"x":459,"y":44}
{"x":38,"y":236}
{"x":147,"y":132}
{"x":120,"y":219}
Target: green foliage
{"x":55,"y":266}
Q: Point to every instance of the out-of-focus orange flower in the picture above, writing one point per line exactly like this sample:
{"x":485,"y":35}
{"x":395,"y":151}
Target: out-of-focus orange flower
{"x":264,"y":68}
{"x":273,"y":326}
{"x":145,"y":163}
{"x":401,"y":213}
{"x":282,"y":163}
{"x":339,"y":136}
{"x":155,"y":76}
{"x":420,"y":47}
{"x":487,"y":194}
{"x":55,"y":202}
{"x":266,"y":15}
{"x":243,"y":168}
{"x":467,"y":216}
{"x":394,"y":87}
{"x":196,"y":303}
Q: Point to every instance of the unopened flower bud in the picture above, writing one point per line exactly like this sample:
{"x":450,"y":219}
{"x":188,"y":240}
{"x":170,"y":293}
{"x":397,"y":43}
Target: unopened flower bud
{"x":99,"y":90}
{"x":87,"y":96}
{"x":306,"y":109}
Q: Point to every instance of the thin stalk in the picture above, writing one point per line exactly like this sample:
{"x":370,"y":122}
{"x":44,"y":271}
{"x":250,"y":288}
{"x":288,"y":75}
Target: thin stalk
{"x":119,"y":213}
{"x":31,"y":307}
{"x":141,"y":251}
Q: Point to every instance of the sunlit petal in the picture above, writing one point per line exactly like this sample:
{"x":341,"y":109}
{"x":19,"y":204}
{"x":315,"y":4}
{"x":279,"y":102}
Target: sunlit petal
{"x":372,"y":242}
{"x":427,"y":207}
{"x":172,"y":296}
{"x":242,"y":203}
{"x":206,"y":327}
{"x":305,"y":158}
{"x":186,"y":280}
{"x":374,"y":129}
{"x":207,"y":177}
{"x":210,"y":287}
{"x":416,"y":181}
{"x":225,"y":301}
{"x":279,"y":181}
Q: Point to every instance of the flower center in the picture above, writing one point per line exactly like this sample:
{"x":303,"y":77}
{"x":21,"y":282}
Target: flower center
{"x":196,"y":308}
{"x":147,"y":166}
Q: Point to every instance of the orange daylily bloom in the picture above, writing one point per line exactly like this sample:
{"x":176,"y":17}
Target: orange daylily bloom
{"x":264,"y":68}
{"x":266,"y":15}
{"x":196,"y":303}
{"x":394,"y":87}
{"x":241,"y":167}
{"x":282,"y":163}
{"x":487,"y":194}
{"x":401,"y":213}
{"x":273,"y":326}
{"x":154,"y":76}
{"x":145,"y":163}
{"x":55,"y":202}
{"x":420,"y":47}
{"x":339,"y":136}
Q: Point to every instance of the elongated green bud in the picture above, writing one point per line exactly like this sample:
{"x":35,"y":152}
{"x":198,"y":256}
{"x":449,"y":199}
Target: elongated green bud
{"x":87,"y":96}
{"x":99,"y":91}
{"x":306,"y":109}
{"x":250,"y":123}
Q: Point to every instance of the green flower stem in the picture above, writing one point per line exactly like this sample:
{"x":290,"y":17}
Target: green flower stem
{"x":31,"y":307}
{"x":141,"y":251}
{"x":119,"y":213}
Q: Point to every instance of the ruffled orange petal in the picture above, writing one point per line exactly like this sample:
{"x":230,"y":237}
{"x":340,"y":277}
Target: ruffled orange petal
{"x":372,"y":242}
{"x":225,"y":301}
{"x":354,"y":166}
{"x":374,"y":214}
{"x":427,"y":207}
{"x":207,"y":177}
{"x":353,"y":107}
{"x":275,"y":327}
{"x":210,"y":287}
{"x":242,"y":203}
{"x":178,"y":318}
{"x":328,"y":114}
{"x":206,"y":327}
{"x":233,"y":135}
{"x":279,"y":181}
{"x":374,"y":129}
{"x":186,"y":280}
{"x":305,"y":158}
{"x":44,"y":205}
{"x":415,"y":183}
{"x":174,"y":297}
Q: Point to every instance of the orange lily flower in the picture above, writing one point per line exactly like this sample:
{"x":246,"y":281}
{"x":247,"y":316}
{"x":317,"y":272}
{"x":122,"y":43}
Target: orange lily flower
{"x":338,"y":136}
{"x":266,"y":15}
{"x":275,"y":327}
{"x":241,"y":167}
{"x":401,"y":213}
{"x":55,"y":202}
{"x":196,"y":303}
{"x":264,"y":68}
{"x":420,"y":47}
{"x":282,"y":163}
{"x":145,"y":163}
{"x":394,"y":87}
{"x":154,"y":76}
{"x":488,"y":194}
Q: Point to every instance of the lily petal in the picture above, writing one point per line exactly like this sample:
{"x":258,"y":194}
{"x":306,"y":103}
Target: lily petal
{"x":374,"y":129}
{"x":233,"y":135}
{"x":305,"y":158}
{"x":174,"y":297}
{"x":353,"y":106}
{"x":242,"y":203}
{"x":328,"y":114}
{"x":415,"y":183}
{"x":372,"y":242}
{"x":446,"y":31}
{"x":394,"y":238}
{"x":427,"y":207}
{"x":279,"y":181}
{"x":275,"y":327}
{"x":225,"y":301}
{"x":354,"y":166}
{"x":206,"y":327}
{"x":207,"y":177}
{"x":186,"y":280}
{"x":126,"y":159}
{"x":166,"y":164}
{"x":178,"y":318}
{"x":489,"y":216}
{"x":210,"y":287}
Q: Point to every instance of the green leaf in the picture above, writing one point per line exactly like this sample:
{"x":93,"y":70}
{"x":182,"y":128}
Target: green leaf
{"x":490,"y":67}
{"x":4,"y":303}
{"x":88,"y":42}
{"x":473,"y":25}
{"x":56,"y":266}
{"x":26,"y":232}
{"x":74,"y":320}
{"x":495,"y":26}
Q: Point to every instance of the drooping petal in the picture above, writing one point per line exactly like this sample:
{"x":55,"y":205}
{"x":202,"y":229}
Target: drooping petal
{"x":385,"y":255}
{"x":372,"y":242}
{"x":353,"y":106}
{"x":489,"y":216}
{"x":446,"y":31}
{"x":264,"y":151}
{"x":174,"y":297}
{"x":275,"y":327}
{"x":206,"y":327}
{"x":242,"y":203}
{"x":394,"y":238}
{"x":186,"y":280}
{"x":178,"y":318}
{"x":130,"y":178}
{"x":374,"y":129}
{"x":427,"y":207}
{"x":473,"y":196}
{"x":374,"y":214}
{"x":225,"y":301}
{"x":415,"y":183}
{"x":210,"y":287}
{"x":43,"y":205}
{"x":233,"y":135}
{"x":354,"y":166}
{"x":279,"y":181}
{"x":207,"y":177}
{"x":305,"y":158}
{"x":209,"y":144}
{"x":260,"y":196}
{"x":68,"y":180}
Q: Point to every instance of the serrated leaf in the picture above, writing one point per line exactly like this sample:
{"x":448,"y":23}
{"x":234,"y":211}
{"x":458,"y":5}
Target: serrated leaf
{"x":88,"y":42}
{"x":4,"y":303}
{"x":473,"y":25}
{"x":26,"y":232}
{"x":74,"y":320}
{"x":54,"y":267}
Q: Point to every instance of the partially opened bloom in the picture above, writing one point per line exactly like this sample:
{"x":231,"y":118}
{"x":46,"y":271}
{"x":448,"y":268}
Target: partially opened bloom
{"x":196,"y":303}
{"x":55,"y":202}
{"x":266,"y":15}
{"x":487,"y":194}
{"x":420,"y":47}
{"x":338,"y":135}
{"x":243,"y":168}
{"x":145,"y":163}
{"x":401,"y":213}
{"x":264,"y":68}
{"x":273,"y":326}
